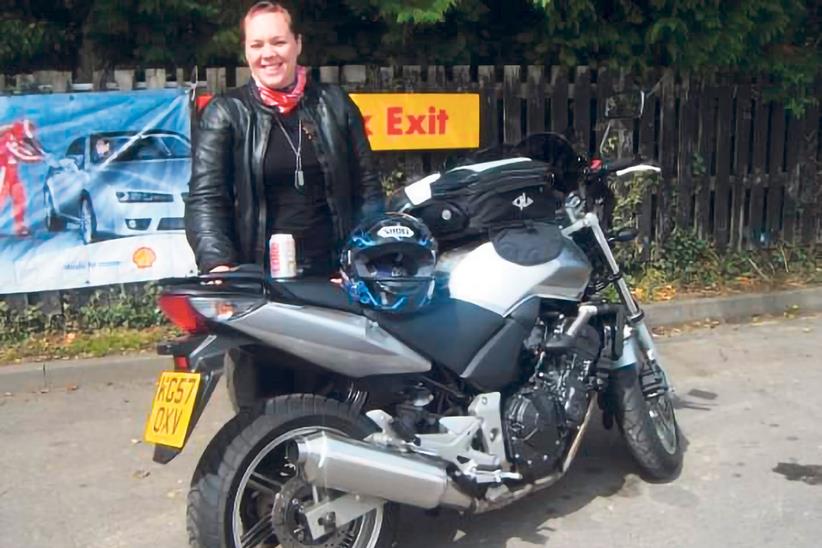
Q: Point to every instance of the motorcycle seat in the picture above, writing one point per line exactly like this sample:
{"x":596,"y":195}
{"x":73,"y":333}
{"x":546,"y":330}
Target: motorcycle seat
{"x":318,"y":292}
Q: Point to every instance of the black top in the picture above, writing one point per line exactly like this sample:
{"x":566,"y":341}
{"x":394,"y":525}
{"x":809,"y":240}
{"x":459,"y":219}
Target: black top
{"x":301,"y":212}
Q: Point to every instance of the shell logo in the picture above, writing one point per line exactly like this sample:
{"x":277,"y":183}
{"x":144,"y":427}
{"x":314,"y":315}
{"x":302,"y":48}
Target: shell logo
{"x":144,"y":257}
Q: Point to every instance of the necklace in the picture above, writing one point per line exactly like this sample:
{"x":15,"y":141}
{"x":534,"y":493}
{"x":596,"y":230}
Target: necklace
{"x":299,"y":179}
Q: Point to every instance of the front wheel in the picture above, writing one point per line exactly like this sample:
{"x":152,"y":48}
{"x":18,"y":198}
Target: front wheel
{"x":648,"y":426}
{"x":245,"y":492}
{"x":88,"y":221}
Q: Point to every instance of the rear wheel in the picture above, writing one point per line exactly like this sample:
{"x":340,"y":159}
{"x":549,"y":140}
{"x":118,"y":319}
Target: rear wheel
{"x":245,"y":492}
{"x":648,"y":425}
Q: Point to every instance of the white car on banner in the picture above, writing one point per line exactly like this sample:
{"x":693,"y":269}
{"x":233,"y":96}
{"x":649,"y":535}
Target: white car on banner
{"x":123,"y":183}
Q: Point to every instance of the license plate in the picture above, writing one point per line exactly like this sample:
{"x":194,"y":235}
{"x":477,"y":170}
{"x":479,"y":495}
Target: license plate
{"x":172,"y":408}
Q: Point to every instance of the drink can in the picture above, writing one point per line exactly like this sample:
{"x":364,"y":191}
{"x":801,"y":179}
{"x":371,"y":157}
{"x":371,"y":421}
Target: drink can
{"x":282,"y":256}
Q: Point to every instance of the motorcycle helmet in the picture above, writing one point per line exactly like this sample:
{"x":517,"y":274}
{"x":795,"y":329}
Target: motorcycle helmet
{"x":388,"y":263}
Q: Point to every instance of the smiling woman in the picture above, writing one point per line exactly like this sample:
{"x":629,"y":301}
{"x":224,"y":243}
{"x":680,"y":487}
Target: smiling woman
{"x":304,"y":138}
{"x":271,"y":46}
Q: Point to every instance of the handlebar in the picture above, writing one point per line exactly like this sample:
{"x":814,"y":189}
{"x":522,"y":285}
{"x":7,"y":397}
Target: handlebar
{"x":621,"y":166}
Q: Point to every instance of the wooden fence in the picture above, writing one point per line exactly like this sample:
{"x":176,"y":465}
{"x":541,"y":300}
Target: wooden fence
{"x":736,"y":166}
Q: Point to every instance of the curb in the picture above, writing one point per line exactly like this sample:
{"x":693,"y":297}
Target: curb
{"x":66,"y":374}
{"x":63,"y":374}
{"x":729,"y":309}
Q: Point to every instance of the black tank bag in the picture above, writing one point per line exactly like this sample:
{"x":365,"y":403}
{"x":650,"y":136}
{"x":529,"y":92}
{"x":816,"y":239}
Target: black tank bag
{"x":473,"y":199}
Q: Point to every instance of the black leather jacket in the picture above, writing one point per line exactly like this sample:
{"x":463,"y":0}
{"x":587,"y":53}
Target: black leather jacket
{"x":226,"y":211}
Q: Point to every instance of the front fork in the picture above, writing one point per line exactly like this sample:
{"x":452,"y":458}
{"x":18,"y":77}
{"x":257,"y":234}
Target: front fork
{"x":638,"y":338}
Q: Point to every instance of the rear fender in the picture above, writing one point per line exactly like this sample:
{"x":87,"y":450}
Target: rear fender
{"x":205,"y":355}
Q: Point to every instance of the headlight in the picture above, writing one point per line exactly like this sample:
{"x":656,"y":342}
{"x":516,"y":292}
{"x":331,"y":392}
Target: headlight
{"x":132,"y":196}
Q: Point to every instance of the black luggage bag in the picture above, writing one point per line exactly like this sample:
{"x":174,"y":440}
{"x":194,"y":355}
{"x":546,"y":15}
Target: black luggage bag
{"x":470,"y":200}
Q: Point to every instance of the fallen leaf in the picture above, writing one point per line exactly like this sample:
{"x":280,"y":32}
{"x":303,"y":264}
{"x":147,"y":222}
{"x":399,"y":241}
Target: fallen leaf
{"x":7,"y":394}
{"x":72,"y":387}
{"x":135,"y":441}
{"x":141,"y":474}
{"x":44,"y":390}
{"x":806,"y":330}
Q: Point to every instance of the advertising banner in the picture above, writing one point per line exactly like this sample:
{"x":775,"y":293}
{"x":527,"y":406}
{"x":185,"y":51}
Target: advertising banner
{"x":92,"y":188}
{"x":420,"y":121}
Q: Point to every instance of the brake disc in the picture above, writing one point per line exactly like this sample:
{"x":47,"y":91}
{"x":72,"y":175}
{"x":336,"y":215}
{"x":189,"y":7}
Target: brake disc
{"x":291,"y":527}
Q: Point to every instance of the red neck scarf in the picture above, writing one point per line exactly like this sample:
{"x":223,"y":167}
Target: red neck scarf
{"x":284,"y":101}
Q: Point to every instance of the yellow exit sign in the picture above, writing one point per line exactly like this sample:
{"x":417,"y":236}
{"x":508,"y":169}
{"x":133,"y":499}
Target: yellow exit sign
{"x":420,"y":121}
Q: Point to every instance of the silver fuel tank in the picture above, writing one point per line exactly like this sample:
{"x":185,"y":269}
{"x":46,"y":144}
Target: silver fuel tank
{"x":481,"y":276}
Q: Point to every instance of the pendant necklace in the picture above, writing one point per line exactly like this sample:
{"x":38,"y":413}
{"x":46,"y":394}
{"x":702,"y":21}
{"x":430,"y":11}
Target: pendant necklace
{"x":299,"y":180}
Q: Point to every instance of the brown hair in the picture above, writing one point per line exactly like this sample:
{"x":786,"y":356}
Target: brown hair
{"x":266,"y":7}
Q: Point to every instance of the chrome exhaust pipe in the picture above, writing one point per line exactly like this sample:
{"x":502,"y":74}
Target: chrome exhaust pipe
{"x":335,"y":462}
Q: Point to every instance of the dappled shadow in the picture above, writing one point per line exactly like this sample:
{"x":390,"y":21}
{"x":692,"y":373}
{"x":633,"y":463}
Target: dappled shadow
{"x":600,"y":470}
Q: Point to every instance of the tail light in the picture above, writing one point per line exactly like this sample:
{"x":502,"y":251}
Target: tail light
{"x":224,"y":308}
{"x":178,"y":309}
{"x":191,"y":313}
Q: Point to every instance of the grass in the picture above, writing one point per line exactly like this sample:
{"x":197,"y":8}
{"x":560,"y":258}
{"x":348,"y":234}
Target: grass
{"x":103,"y":342}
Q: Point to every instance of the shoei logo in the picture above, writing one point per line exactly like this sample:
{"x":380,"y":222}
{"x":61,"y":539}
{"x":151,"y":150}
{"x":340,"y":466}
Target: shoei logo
{"x":522,"y":201}
{"x":396,"y":231}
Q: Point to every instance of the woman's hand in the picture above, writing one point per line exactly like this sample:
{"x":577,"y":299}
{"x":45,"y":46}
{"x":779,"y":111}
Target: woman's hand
{"x":217,"y":269}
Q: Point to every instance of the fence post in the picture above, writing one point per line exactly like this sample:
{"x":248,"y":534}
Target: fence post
{"x":707,"y":127}
{"x":667,"y":153}
{"x":792,"y":183}
{"x":512,"y":104}
{"x":489,"y":117}
{"x":722,"y":193}
{"x":647,"y":142}
{"x":742,"y":139}
{"x":58,"y":81}
{"x":603,"y":90}
{"x":353,"y":75}
{"x":180,"y":76}
{"x":810,"y":173}
{"x":462,"y":78}
{"x":559,"y":99}
{"x":215,"y":79}
{"x":776,"y":176}
{"x":24,"y":82}
{"x":124,"y":79}
{"x":2,"y":82}
{"x":435,"y":78}
{"x":241,"y":76}
{"x":330,"y":75}
{"x":582,"y":110}
{"x":535,"y":99}
{"x":155,"y":78}
{"x":756,"y":232}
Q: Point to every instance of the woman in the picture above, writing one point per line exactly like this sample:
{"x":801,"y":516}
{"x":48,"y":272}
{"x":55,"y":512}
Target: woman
{"x":282,"y":154}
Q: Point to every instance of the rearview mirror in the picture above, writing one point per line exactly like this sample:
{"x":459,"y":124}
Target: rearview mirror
{"x":628,"y":104}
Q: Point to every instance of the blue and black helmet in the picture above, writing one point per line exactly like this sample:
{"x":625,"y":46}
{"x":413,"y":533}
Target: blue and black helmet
{"x":388,"y":263}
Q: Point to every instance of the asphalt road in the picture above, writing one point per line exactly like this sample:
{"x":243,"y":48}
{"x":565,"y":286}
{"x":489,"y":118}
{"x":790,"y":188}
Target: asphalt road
{"x":73,"y":474}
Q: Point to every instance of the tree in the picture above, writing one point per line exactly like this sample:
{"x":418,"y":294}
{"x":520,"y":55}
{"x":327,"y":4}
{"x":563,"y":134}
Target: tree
{"x":777,"y":38}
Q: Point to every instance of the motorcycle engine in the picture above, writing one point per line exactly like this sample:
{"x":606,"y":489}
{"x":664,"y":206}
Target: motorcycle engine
{"x":540,"y":418}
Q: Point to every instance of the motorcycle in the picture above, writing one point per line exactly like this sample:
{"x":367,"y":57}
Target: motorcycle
{"x":472,"y":403}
